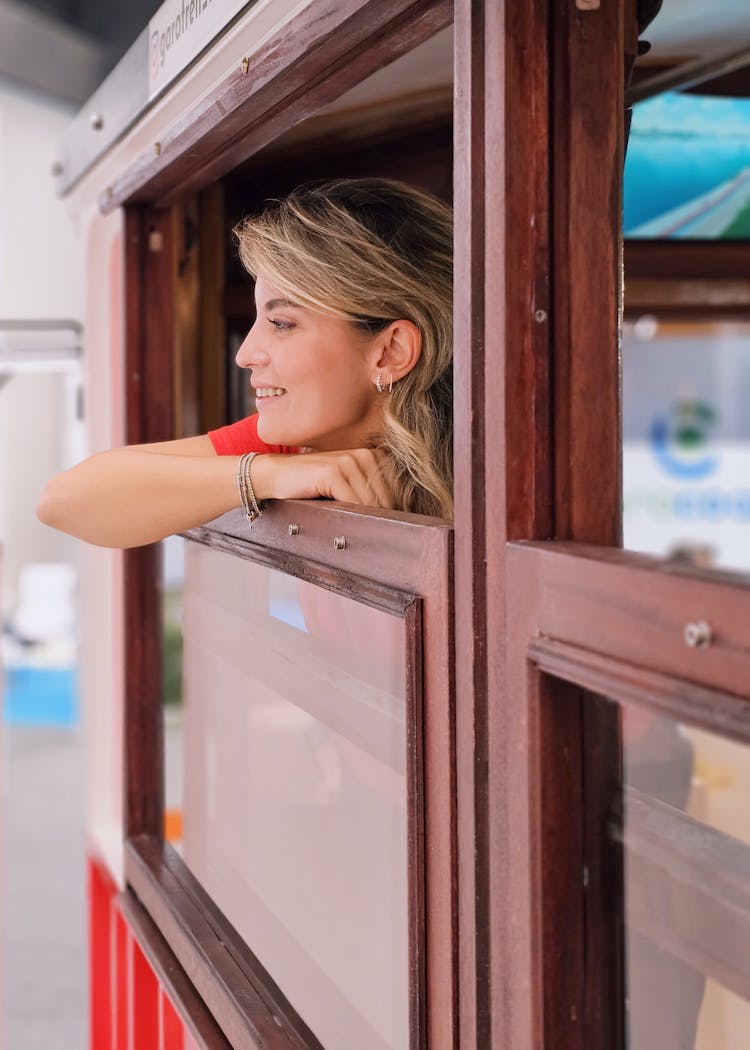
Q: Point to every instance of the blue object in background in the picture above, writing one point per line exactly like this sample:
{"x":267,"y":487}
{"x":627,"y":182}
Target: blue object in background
{"x":681,"y":147}
{"x":35,"y":696}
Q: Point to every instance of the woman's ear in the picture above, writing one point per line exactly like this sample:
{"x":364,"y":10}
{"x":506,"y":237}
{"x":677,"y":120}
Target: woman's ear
{"x":400,"y":346}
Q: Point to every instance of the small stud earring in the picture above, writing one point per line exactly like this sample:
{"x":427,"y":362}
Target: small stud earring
{"x":379,"y":382}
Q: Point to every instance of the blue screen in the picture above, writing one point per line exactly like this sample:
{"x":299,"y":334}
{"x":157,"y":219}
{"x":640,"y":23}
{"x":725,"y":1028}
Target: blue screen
{"x":687,"y":171}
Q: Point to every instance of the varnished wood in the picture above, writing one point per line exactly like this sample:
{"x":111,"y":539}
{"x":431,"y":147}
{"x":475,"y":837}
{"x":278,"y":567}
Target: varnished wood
{"x":159,"y":877}
{"x":249,"y":1018}
{"x":389,"y":556}
{"x":683,"y":298}
{"x":148,"y":392}
{"x":574,"y":586}
{"x":212,"y":323}
{"x":588,"y":161}
{"x":662,"y":694}
{"x":172,"y":977}
{"x":186,"y":294}
{"x":322,"y":52}
{"x":701,"y":260}
{"x":415,"y":838}
{"x":469,"y":458}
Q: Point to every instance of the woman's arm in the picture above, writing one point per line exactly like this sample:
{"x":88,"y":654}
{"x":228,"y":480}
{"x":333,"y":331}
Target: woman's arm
{"x":139,"y":494}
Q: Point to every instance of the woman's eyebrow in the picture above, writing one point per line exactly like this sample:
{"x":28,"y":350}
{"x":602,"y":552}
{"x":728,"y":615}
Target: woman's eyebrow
{"x":272,"y":304}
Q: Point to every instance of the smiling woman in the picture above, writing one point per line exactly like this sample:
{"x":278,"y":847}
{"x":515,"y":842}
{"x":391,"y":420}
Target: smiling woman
{"x":350,"y":360}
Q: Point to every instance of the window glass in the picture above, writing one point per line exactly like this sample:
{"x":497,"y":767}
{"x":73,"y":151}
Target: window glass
{"x":686,"y":863}
{"x":294,"y":788}
{"x":686,"y":441}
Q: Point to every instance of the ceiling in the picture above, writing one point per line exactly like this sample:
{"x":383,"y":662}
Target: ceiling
{"x":66,"y":47}
{"x":686,"y":29}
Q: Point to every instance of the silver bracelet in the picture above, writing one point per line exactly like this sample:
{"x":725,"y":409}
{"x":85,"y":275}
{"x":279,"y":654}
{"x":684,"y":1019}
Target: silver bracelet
{"x":253,"y":509}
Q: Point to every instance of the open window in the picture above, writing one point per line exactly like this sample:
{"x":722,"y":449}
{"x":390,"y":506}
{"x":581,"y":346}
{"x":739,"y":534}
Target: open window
{"x":308,"y":759}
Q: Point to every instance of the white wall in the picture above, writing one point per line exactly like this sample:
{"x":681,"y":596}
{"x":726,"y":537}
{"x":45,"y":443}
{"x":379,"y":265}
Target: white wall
{"x":40,"y":277}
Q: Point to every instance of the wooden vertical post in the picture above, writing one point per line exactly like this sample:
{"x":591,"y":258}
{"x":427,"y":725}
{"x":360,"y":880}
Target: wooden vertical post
{"x":538,"y":167}
{"x":149,"y":333}
{"x":503,"y":488}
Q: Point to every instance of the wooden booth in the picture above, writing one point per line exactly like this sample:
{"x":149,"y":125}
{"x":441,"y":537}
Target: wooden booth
{"x":402,"y":802}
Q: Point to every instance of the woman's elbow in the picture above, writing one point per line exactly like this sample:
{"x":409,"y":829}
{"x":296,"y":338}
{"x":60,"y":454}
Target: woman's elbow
{"x":50,"y":507}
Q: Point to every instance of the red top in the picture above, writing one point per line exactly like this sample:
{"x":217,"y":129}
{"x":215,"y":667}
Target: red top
{"x":241,"y":437}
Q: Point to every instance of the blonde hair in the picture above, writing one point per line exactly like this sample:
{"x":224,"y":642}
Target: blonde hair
{"x":374,"y":251}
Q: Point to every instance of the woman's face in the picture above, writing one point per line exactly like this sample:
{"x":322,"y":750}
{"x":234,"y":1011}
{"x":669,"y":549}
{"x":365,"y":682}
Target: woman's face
{"x":313,"y":375}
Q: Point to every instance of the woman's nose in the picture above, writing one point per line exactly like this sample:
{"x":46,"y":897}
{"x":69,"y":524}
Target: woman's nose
{"x":249,"y":354}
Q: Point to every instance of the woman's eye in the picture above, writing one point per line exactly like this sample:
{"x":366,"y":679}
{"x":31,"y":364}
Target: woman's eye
{"x":280,"y":326}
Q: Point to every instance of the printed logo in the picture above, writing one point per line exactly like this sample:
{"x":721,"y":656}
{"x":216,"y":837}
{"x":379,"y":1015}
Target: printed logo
{"x":680,"y":440}
{"x":153,"y":58}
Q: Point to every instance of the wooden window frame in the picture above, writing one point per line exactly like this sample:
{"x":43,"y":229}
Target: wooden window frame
{"x":310,"y":61}
{"x":687,"y":279}
{"x":413,"y":558}
{"x":570,"y":640}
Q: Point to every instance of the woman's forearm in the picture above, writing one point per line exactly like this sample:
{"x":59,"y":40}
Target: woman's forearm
{"x":127,"y":497}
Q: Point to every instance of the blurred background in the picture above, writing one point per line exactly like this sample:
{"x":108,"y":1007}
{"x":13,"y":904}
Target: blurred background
{"x":53,"y":54}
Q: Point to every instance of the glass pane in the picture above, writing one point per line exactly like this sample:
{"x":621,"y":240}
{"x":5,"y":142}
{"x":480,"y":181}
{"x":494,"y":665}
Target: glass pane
{"x":686,"y":835}
{"x":687,"y":170}
{"x":686,"y":441}
{"x":294,"y":788}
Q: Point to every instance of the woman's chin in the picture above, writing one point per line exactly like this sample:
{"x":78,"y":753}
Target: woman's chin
{"x":275,"y":433}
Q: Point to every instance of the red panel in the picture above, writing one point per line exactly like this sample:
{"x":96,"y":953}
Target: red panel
{"x":172,"y":1030}
{"x":101,"y":890}
{"x":121,"y":982}
{"x":145,"y":1012}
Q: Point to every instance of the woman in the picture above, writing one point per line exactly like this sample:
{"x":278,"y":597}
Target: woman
{"x":350,"y":360}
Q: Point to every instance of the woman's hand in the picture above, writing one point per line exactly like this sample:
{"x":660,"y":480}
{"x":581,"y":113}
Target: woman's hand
{"x":353,"y":476}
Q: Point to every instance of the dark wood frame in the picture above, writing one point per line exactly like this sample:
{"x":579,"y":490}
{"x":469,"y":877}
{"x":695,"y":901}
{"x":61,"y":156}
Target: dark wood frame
{"x":248,"y":1005}
{"x":310,"y":61}
{"x":569,"y":641}
{"x":687,"y":279}
{"x":514,"y":957}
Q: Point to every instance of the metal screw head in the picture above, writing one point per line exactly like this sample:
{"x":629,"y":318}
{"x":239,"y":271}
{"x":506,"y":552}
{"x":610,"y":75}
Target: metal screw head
{"x":294,"y":530}
{"x":540,"y":316}
{"x":698,"y":635}
{"x":96,"y":121}
{"x":339,"y":543}
{"x":245,"y":66}
{"x":157,"y":149}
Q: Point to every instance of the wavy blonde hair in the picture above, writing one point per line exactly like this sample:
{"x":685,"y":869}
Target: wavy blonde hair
{"x":374,"y":251}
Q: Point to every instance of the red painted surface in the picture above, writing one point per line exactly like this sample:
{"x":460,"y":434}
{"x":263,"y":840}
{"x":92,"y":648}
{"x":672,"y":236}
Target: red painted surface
{"x":120,"y":980}
{"x":172,"y":1031}
{"x":101,"y":891}
{"x":145,"y":1001}
{"x":129,"y":1008}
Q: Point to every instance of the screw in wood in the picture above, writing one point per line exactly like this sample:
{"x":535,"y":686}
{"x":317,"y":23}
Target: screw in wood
{"x":245,"y":66}
{"x":157,"y":148}
{"x":339,"y":543}
{"x":698,"y":635}
{"x":294,"y":530}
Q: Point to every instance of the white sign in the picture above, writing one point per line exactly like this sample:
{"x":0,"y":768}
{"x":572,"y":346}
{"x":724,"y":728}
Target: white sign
{"x":179,"y":31}
{"x":664,"y":514}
